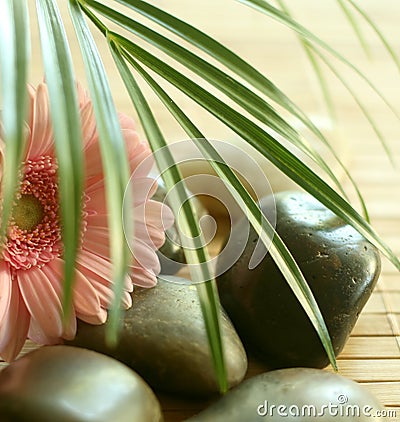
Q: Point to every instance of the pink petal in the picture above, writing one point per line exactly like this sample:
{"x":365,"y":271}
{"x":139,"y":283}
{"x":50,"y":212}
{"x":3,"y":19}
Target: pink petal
{"x":97,"y":220}
{"x":5,"y":289}
{"x":14,"y":326}
{"x":89,"y":130}
{"x":97,"y":199}
{"x":143,"y":278}
{"x":96,"y":241}
{"x":126,"y":122}
{"x":93,"y":160}
{"x":37,"y":335}
{"x":53,"y":272}
{"x":85,"y":299}
{"x":98,"y":319}
{"x":31,"y":104}
{"x":142,"y":188}
{"x":41,"y":142}
{"x":41,"y":300}
{"x":146,"y":257}
{"x":99,"y":272}
{"x":104,"y":293}
{"x":131,"y":137}
{"x":155,"y":214}
{"x":152,"y":235}
{"x":83,"y":96}
{"x":95,"y":264}
{"x":140,"y":159}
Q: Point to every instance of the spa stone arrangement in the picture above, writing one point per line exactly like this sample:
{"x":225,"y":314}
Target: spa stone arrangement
{"x":163,"y":345}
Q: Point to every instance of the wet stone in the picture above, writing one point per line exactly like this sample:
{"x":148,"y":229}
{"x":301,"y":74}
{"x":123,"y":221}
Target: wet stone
{"x":69,"y":384}
{"x":340,"y":266}
{"x":163,"y":338}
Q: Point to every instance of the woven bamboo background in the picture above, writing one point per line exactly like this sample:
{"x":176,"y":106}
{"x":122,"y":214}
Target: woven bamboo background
{"x":372,"y":355}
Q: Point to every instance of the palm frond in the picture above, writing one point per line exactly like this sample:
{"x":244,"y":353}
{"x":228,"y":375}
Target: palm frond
{"x":67,"y":134}
{"x":265,"y":230}
{"x":354,"y":24}
{"x":113,"y":153}
{"x":196,"y":255}
{"x":14,"y":58}
{"x":262,"y":142}
{"x":243,"y":96}
{"x":266,"y":8}
{"x":378,"y":32}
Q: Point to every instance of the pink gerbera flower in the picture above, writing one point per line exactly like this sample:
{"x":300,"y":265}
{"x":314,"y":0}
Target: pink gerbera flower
{"x":31,"y":260}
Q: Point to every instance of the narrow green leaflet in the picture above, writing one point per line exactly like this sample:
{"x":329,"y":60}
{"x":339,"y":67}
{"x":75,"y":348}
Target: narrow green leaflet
{"x":243,"y":96}
{"x":312,"y":52}
{"x":229,"y":86}
{"x":114,"y":158}
{"x":366,"y":113}
{"x":265,"y":7}
{"x":14,"y":57}
{"x":225,"y":56}
{"x":236,"y":64}
{"x":195,"y":253}
{"x":67,"y":134}
{"x":378,"y":32}
{"x":316,"y":67}
{"x":264,"y":143}
{"x":277,"y":248}
{"x":357,"y":30}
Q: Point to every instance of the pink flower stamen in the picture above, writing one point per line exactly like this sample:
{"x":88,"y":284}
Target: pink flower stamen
{"x":34,"y":235}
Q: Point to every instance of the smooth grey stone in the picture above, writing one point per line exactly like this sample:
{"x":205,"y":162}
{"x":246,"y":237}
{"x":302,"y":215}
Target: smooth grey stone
{"x":164,"y":339}
{"x":294,"y":394}
{"x":69,"y":384}
{"x":340,"y":266}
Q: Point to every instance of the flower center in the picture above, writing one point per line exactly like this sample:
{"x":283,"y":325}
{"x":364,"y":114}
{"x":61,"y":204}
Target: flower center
{"x":28,"y":212}
{"x":34,"y":234}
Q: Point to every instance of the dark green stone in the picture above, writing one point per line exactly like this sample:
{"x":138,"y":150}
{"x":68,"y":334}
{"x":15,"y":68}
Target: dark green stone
{"x":68,"y":384}
{"x":163,"y":338}
{"x":340,"y":266}
{"x":294,"y":394}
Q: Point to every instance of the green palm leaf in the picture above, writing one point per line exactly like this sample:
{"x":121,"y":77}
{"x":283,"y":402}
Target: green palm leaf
{"x":14,"y":57}
{"x":243,"y":96}
{"x":223,"y":55}
{"x":378,"y":32}
{"x":266,"y":8}
{"x":277,"y":248}
{"x":113,"y":154}
{"x":247,"y":99}
{"x":353,"y":22}
{"x":262,"y":142}
{"x":67,"y":134}
{"x":195,"y":253}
